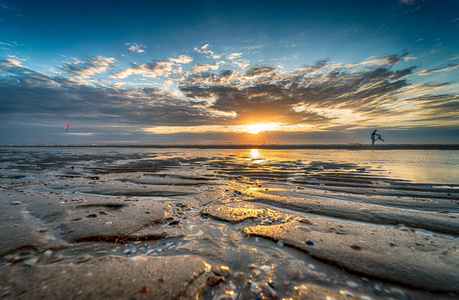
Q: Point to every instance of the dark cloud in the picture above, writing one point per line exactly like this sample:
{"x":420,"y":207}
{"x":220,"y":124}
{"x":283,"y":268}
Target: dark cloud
{"x":278,"y":98}
{"x":26,"y":92}
{"x":262,"y":71}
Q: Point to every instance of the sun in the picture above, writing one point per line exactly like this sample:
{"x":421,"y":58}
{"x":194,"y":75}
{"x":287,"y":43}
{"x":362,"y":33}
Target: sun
{"x":257,"y":128}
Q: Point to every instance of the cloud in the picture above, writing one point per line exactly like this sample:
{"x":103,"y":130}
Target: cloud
{"x":206,"y":67}
{"x":241,"y":63}
{"x":261,"y":71}
{"x":301,"y":100}
{"x":155,"y":69}
{"x":444,"y":69}
{"x":134,"y":47}
{"x":9,"y":63}
{"x":408,"y":58}
{"x":386,"y":60}
{"x":5,"y":46}
{"x":210,"y":53}
{"x":36,"y":98}
{"x":88,"y":67}
{"x":261,"y":95}
{"x":233,"y":56}
{"x":182,"y":59}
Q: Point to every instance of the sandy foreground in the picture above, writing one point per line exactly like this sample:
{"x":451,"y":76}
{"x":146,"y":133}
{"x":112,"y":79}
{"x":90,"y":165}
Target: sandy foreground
{"x":143,"y":226}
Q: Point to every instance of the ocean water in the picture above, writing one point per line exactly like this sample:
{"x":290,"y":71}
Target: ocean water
{"x":415,"y":166}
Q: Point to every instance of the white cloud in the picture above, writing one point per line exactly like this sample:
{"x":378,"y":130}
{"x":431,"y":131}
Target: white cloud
{"x":156,"y":69}
{"x":241,"y":63}
{"x":206,"y":67}
{"x":16,"y":58}
{"x":182,"y":59}
{"x":134,"y":47}
{"x":385,"y":60}
{"x":444,"y":69}
{"x":408,"y":58}
{"x":10,"y":63}
{"x":88,"y":67}
{"x":210,"y":53}
{"x":233,"y":56}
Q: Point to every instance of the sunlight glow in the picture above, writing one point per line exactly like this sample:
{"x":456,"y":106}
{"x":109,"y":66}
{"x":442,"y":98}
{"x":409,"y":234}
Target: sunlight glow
{"x":257,"y":128}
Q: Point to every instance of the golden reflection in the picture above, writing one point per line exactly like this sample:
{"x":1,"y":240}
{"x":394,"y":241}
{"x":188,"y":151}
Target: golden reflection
{"x":255,"y":156}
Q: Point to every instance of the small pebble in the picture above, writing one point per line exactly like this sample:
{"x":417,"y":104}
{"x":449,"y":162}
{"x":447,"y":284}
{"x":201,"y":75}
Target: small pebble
{"x":309,"y":242}
{"x":398,"y":293}
{"x":347,"y":294}
{"x":280,"y":244}
{"x":352,"y":284}
{"x":265,"y":268}
{"x":377,"y":291}
{"x":306,"y":221}
{"x":304,"y":228}
{"x":174,"y":223}
{"x":393,"y":244}
{"x":31,"y":262}
{"x":311,"y":266}
{"x":355,"y":247}
{"x":15,"y":202}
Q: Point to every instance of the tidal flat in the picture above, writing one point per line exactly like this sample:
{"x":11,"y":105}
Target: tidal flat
{"x":177,"y":223}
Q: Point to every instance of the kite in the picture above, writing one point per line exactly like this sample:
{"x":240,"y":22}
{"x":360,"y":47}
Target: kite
{"x":67,"y":126}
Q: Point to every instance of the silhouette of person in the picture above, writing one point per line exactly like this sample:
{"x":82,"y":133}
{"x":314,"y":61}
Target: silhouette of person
{"x":373,"y":137}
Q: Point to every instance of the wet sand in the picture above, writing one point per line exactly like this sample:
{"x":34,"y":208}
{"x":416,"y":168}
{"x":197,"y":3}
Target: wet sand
{"x":110,"y":224}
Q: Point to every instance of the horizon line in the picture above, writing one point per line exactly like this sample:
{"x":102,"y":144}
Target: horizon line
{"x":355,"y":146}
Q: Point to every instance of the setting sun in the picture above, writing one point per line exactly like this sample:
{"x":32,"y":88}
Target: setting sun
{"x":256,"y":128}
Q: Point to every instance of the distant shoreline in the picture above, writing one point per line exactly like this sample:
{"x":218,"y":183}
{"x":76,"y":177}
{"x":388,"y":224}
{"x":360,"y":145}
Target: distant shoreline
{"x":267,"y":146}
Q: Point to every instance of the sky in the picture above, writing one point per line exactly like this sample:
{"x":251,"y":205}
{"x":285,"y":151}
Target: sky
{"x":219,"y":72}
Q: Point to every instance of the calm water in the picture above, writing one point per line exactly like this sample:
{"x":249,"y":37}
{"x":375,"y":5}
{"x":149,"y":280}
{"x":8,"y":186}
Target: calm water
{"x":417,"y":166}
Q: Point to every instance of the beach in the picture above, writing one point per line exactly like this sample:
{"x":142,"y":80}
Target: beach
{"x":269,"y":222}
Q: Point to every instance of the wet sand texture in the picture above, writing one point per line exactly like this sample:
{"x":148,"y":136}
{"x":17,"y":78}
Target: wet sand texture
{"x":143,"y":225}
{"x":139,"y":277}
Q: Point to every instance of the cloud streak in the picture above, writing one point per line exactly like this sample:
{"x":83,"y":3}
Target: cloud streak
{"x":444,"y":69}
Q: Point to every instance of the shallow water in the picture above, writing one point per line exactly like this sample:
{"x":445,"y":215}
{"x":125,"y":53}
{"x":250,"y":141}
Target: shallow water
{"x":375,"y":190}
{"x":417,"y":166}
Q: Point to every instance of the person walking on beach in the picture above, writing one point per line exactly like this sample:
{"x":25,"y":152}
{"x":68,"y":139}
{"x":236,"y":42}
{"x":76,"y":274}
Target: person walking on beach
{"x":373,"y":137}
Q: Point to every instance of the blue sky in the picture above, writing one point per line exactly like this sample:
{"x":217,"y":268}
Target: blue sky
{"x":218,"y":72}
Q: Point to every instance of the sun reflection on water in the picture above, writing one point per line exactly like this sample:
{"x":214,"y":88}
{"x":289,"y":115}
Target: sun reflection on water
{"x":255,"y":156}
